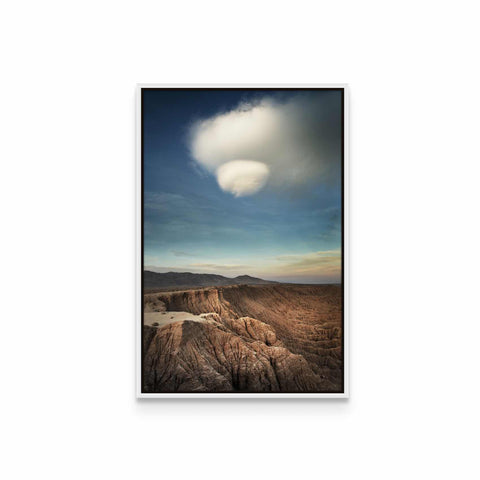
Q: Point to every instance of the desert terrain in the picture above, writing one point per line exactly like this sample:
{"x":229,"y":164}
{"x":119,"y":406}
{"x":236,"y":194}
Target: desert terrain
{"x":243,"y":338}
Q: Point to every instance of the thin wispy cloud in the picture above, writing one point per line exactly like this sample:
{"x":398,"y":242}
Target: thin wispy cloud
{"x":321,"y":265}
{"x":318,"y":263}
{"x":219,"y":266}
{"x":180,"y":253}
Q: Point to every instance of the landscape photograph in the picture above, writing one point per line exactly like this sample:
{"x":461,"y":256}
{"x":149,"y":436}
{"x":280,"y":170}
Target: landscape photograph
{"x":242,"y":241}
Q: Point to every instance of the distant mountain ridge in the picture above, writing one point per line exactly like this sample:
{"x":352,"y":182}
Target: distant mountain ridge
{"x":187,"y":279}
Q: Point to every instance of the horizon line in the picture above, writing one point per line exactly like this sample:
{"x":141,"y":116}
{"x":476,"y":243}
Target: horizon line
{"x":339,"y":282}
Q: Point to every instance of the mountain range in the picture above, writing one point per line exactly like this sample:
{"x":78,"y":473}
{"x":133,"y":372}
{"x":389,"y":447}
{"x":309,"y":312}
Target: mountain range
{"x":187,"y":279}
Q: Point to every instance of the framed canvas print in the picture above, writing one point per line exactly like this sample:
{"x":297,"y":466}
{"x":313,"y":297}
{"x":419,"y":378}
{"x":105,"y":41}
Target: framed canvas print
{"x":241,"y":241}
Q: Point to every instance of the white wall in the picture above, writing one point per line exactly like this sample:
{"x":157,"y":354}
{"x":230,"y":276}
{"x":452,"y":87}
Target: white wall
{"x":67,"y":263}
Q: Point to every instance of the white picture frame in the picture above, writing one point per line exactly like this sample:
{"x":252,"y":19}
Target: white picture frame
{"x":139,"y":250}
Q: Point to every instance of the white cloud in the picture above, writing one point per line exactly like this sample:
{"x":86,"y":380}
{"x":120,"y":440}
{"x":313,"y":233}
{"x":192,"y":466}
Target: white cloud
{"x":242,"y":177}
{"x":282,"y":144}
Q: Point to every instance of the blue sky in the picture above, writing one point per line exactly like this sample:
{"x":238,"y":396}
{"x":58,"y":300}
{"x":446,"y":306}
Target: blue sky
{"x":289,"y":230}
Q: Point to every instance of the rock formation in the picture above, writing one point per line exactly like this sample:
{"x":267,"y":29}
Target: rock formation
{"x":268,"y":338}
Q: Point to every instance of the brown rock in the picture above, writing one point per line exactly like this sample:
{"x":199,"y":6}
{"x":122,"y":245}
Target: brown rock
{"x":271,"y":338}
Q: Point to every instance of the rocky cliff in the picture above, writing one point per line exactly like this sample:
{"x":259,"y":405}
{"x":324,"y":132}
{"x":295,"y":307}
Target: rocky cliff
{"x":269,"y":338}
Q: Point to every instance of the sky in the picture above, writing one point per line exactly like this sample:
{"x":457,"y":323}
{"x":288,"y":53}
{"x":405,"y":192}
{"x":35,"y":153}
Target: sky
{"x":243,"y":182}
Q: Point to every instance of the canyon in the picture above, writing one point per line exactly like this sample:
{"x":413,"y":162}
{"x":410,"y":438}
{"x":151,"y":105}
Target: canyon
{"x":243,"y":338}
